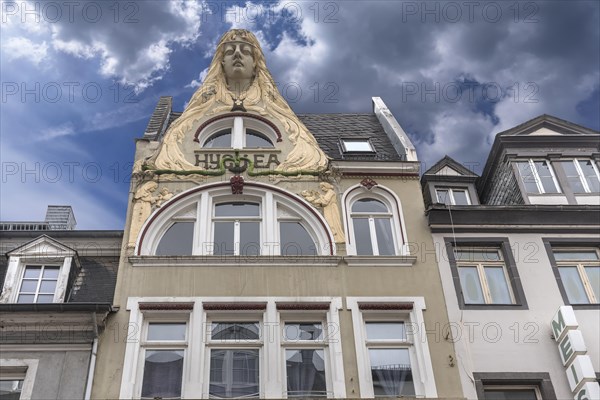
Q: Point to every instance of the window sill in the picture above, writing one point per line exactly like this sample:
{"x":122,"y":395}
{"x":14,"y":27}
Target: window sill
{"x":594,"y":306}
{"x":380,"y":261}
{"x":234,"y":261}
{"x":493,"y":307}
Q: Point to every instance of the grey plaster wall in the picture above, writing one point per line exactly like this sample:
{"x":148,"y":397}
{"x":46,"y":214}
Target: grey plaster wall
{"x":60,"y":375}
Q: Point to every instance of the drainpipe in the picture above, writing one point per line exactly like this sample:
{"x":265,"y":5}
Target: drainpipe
{"x":92,"y":368}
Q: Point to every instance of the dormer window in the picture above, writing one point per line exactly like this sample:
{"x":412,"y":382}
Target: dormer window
{"x":38,"y":284}
{"x":357,"y":146}
{"x":582,"y":175}
{"x":237,"y":133}
{"x":538,"y":177}
{"x":453,"y":196}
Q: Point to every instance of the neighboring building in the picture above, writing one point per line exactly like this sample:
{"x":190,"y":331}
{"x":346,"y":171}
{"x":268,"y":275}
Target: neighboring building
{"x":57,"y":290}
{"x":514,"y":245}
{"x":274,"y":255}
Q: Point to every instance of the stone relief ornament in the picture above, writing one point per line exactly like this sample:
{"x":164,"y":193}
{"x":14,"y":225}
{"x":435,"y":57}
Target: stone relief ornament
{"x":238,"y":79}
{"x":143,"y":202}
{"x":327,"y":200}
{"x":368,"y":183}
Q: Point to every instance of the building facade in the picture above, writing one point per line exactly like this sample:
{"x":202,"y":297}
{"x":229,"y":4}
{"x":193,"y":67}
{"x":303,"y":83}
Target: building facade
{"x":273,"y":255}
{"x":57,"y":290}
{"x":519,"y":257}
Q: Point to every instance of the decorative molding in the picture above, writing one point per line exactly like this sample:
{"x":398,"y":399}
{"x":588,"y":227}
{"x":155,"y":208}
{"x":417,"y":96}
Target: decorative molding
{"x":303,"y":306}
{"x":166,"y":306}
{"x":384,"y":306}
{"x":368,"y":183}
{"x":380,"y":261}
{"x":234,"y":306}
{"x":237,"y":184}
{"x":234,"y":261}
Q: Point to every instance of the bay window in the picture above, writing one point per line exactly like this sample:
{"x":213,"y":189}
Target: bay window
{"x":537,"y":177}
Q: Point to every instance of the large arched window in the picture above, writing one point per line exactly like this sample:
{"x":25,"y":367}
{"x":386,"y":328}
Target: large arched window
{"x":374,"y":221}
{"x":237,"y":133}
{"x":262,"y":221}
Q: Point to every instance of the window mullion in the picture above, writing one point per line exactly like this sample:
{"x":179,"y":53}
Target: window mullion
{"x":536,"y":176}
{"x":39,"y":284}
{"x":237,"y":133}
{"x":236,"y":238}
{"x":484,"y":285}
{"x":582,"y":177}
{"x":373,"y":234}
{"x":586,"y":284}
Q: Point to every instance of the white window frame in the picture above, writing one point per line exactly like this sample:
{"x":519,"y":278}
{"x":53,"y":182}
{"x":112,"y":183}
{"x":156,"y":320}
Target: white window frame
{"x":239,"y":127}
{"x":270,"y":203}
{"x":37,"y":293}
{"x":480,"y":265}
{"x":421,"y":366}
{"x":155,"y":316}
{"x":582,"y":177}
{"x":536,"y":176}
{"x":355,"y":140}
{"x":237,"y":220}
{"x":41,"y":251}
{"x":451,"y":191}
{"x":391,"y":201}
{"x":580,"y":264}
{"x":21,"y":369}
{"x":196,"y":376}
{"x":508,"y":388}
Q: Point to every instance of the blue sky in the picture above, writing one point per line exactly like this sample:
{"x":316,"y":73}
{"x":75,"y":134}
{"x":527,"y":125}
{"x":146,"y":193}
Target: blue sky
{"x":80,"y":80}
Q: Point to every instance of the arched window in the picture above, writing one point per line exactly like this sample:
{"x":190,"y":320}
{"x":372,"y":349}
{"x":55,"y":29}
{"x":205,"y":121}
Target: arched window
{"x":374,"y":222}
{"x":237,"y":133}
{"x":212,"y":221}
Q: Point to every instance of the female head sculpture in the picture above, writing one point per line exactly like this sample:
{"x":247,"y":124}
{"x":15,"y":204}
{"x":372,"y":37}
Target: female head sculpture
{"x":237,"y":75}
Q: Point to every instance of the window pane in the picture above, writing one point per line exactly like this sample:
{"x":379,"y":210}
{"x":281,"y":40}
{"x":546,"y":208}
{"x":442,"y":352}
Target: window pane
{"x":590,"y":175}
{"x":11,"y":390}
{"x":162,"y":374}
{"x":471,"y":286}
{"x":510,"y":394}
{"x":576,"y":255}
{"x":223,"y":244}
{"x":496,"y":281}
{"x":32,"y":271}
{"x":442,"y":196}
{"x":385,"y":330}
{"x":234,"y":373}
{"x":249,"y":238}
{"x":166,"y":331}
{"x":235,"y":331}
{"x":573,"y":285}
{"x":47,"y":287}
{"x":460,"y":197}
{"x":527,"y":177}
{"x":45,"y":298}
{"x":593,"y":274}
{"x":295,"y":240}
{"x":385,"y":239}
{"x":256,"y":139}
{"x":237,"y":209}
{"x":369,"y":205}
{"x":51,"y":272}
{"x":362,"y":237}
{"x":29,"y":286}
{"x":573,"y":176}
{"x":358,"y":145}
{"x":303,"y":331}
{"x":177,"y":240}
{"x":305,"y":373}
{"x":219,"y":140}
{"x":391,"y":372}
{"x":543,"y":169}
{"x":477,"y":255}
{"x":25,"y":298}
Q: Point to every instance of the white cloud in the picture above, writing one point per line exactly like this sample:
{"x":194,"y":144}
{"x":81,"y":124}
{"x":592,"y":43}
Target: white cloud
{"x":20,"y":47}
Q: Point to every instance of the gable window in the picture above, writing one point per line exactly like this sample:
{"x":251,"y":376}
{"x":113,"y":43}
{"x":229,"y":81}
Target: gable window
{"x":38,"y":284}
{"x":453,"y":196}
{"x":372,"y":223}
{"x":214,"y":222}
{"x":537,"y":177}
{"x":579,"y":270}
{"x":582,"y":175}
{"x":238,"y":133}
{"x":357,"y":146}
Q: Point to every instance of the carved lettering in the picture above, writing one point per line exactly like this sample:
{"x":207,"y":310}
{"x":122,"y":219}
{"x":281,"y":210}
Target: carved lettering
{"x":272,"y":160}
{"x":259,"y":161}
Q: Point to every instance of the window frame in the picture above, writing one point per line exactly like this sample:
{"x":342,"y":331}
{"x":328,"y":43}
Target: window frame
{"x":539,"y":380}
{"x":20,"y":369}
{"x":451,"y":191}
{"x":237,"y":220}
{"x":239,"y":127}
{"x":510,"y":268}
{"x":572,"y":244}
{"x":391,"y":201}
{"x":345,"y":149}
{"x":536,"y":177}
{"x":581,"y":176}
{"x":37,"y":293}
{"x":508,"y":388}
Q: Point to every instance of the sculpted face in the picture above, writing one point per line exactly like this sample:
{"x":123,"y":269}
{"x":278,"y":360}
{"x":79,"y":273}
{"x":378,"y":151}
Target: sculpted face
{"x":238,"y":62}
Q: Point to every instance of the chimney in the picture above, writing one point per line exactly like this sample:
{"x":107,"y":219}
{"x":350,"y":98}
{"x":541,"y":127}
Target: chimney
{"x":60,"y":218}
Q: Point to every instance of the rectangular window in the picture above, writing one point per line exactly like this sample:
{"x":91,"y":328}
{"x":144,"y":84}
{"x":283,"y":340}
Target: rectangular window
{"x":357,"y":146}
{"x":234,"y":369}
{"x":305,"y":363}
{"x":452,"y":196}
{"x":483,"y":276}
{"x":164,"y":345}
{"x":389,"y":358}
{"x":579,"y":271}
{"x":11,"y":389}
{"x":537,"y":177}
{"x":38,"y":284}
{"x":582,"y":175}
{"x":511,"y":393}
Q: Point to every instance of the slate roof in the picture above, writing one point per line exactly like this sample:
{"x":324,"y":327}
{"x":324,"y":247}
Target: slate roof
{"x":328,"y":129}
{"x":451,"y":163}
